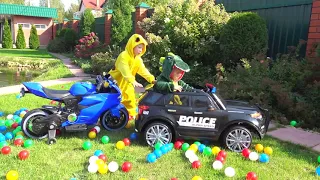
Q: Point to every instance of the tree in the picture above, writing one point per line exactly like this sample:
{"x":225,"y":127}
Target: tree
{"x":7,"y":36}
{"x":12,"y":1}
{"x":122,"y":22}
{"x":87,"y":22}
{"x":21,"y":42}
{"x":34,"y":42}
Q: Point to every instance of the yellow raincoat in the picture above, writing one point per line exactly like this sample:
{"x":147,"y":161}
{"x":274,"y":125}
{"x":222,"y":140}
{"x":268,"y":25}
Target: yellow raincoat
{"x":126,"y":68}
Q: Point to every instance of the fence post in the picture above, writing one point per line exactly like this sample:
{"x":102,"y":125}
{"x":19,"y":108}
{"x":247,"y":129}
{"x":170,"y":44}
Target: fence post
{"x":65,"y":23}
{"x":314,"y":29}
{"x":141,"y":13}
{"x":107,"y":28}
{"x":75,"y":23}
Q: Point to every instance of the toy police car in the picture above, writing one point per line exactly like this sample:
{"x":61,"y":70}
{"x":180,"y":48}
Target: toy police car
{"x":199,"y":115}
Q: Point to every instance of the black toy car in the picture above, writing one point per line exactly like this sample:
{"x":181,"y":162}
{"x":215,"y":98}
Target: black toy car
{"x":199,"y":115}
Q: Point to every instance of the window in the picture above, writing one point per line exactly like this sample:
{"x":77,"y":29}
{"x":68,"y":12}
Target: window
{"x":40,"y":26}
{"x":179,"y":100}
{"x":25,"y":25}
{"x":200,"y":101}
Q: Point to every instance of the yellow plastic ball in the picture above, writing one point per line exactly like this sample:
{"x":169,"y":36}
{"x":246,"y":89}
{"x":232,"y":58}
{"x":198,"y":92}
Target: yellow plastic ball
{"x":100,"y":162}
{"x":92,"y":135}
{"x":215,"y":150}
{"x":196,"y":178}
{"x":268,"y":150}
{"x":103,"y":169}
{"x":12,"y":175}
{"x":259,"y":147}
{"x":120,"y":145}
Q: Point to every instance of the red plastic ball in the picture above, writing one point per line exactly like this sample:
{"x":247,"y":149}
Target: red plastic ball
{"x":196,"y":164}
{"x":126,"y":166}
{"x":94,"y":129}
{"x":223,"y":154}
{"x":6,"y":150}
{"x":246,"y":152}
{"x":103,"y":157}
{"x":251,"y":176}
{"x":126,"y":141}
{"x":177,"y":145}
{"x":18,"y":142}
{"x":221,"y":159}
{"x":23,"y":155}
{"x":14,"y":125}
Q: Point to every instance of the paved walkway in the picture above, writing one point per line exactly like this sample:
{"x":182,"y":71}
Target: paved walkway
{"x":75,"y":70}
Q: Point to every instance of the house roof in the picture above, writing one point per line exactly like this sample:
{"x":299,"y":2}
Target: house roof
{"x":92,"y":4}
{"x":15,"y":9}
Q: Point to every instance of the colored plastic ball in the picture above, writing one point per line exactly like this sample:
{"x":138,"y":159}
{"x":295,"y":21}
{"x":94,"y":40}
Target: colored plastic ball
{"x":120,"y":145}
{"x":28,"y":143}
{"x":126,"y":141}
{"x":197,"y":143}
{"x":158,"y":153}
{"x":251,"y":176}
{"x":92,"y":135}
{"x":230,"y":172}
{"x":157,"y":145}
{"x":318,"y":159}
{"x":253,"y":156}
{"x":318,"y":171}
{"x":151,"y":158}
{"x":133,"y":136}
{"x":185,"y":146}
{"x":246,"y":152}
{"x":23,"y":155}
{"x":103,"y":169}
{"x":164,"y":149}
{"x":293,"y":123}
{"x":207,"y":151}
{"x":268,"y":150}
{"x":217,"y":165}
{"x":3,"y":143}
{"x":201,"y":148}
{"x":196,"y":164}
{"x":105,"y":139}
{"x":93,"y":168}
{"x":196,"y":178}
{"x":264,"y":158}
{"x":87,"y":145}
{"x":177,"y":145}
{"x":113,"y":166}
{"x":12,"y":175}
{"x":126,"y":166}
{"x":103,"y":157}
{"x":223,"y":154}
{"x":6,"y":150}
{"x":221,"y":159}
{"x":9,"y":136}
{"x":259,"y":147}
{"x":98,"y":153}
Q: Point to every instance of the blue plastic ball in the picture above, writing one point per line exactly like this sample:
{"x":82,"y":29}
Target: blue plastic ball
{"x":151,"y":158}
{"x":98,"y":153}
{"x":158,"y":153}
{"x":3,"y":128}
{"x":201,"y":148}
{"x":318,"y":171}
{"x":2,"y":138}
{"x":9,"y":135}
{"x":164,"y":149}
{"x":264,"y":158}
{"x":133,"y":136}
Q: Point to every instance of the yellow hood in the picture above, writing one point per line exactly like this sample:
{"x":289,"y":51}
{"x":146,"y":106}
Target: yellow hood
{"x":135,"y":40}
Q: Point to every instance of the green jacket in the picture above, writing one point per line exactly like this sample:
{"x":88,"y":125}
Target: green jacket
{"x":164,"y":83}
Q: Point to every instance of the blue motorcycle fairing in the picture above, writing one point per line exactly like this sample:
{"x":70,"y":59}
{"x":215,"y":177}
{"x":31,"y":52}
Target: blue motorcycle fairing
{"x":36,"y":89}
{"x":82,"y":88}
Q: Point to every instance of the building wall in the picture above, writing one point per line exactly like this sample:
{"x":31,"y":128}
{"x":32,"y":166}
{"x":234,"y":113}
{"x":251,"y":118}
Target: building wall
{"x":45,"y":35}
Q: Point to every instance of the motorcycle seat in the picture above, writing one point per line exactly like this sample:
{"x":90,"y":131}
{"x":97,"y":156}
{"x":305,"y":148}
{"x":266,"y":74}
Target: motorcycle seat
{"x":55,"y":94}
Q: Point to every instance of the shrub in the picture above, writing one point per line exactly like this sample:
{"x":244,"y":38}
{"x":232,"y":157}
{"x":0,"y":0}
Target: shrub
{"x":70,"y":38}
{"x":87,"y":23}
{"x":102,"y":62}
{"x":34,"y":41}
{"x":21,"y":42}
{"x":244,"y":36}
{"x":7,"y":36}
{"x":57,"y":45}
{"x":87,"y":45}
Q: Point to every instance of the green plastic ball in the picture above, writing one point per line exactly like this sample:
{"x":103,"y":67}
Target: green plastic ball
{"x":105,"y":139}
{"x":28,"y":143}
{"x":87,"y":145}
{"x":185,"y":146}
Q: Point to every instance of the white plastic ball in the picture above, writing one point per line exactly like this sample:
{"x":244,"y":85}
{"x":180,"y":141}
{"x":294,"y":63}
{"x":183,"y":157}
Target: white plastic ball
{"x":189,"y":153}
{"x":10,"y":117}
{"x":93,"y":168}
{"x":253,"y":156}
{"x":97,"y":128}
{"x":113,"y":166}
{"x":217,"y":165}
{"x":93,"y":159}
{"x":230,"y":172}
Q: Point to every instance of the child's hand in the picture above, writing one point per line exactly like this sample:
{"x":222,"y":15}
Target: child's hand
{"x":136,"y":84}
{"x":178,"y":88}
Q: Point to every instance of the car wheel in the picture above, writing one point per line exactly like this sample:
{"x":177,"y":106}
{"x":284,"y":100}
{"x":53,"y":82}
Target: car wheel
{"x":237,"y":138}
{"x":157,"y":132}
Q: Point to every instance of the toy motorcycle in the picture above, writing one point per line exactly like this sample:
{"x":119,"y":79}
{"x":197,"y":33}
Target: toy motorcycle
{"x":79,"y":107}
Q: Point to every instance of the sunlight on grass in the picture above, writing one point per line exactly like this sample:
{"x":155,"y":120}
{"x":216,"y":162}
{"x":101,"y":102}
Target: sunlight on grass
{"x":67,"y":159}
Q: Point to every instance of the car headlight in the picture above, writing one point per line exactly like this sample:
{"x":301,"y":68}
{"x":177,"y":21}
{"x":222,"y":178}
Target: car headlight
{"x":256,"y":115}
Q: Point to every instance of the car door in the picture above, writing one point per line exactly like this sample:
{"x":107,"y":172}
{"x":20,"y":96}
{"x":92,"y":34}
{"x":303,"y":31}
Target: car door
{"x":207,"y":116}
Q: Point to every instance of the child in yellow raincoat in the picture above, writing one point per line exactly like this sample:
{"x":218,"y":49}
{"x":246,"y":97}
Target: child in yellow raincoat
{"x":127,"y":65}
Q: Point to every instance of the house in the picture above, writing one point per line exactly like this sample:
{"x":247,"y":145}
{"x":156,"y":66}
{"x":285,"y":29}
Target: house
{"x":41,"y":17}
{"x":95,"y":5}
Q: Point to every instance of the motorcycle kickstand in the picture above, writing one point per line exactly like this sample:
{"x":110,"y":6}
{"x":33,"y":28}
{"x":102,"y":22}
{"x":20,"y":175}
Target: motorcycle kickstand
{"x":52,"y":133}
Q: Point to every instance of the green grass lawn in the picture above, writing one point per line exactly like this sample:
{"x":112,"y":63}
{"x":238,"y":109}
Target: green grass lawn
{"x":31,"y":53}
{"x":67,"y":159}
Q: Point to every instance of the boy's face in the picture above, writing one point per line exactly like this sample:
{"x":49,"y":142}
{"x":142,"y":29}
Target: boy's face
{"x":176,"y":74}
{"x":138,"y":49}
